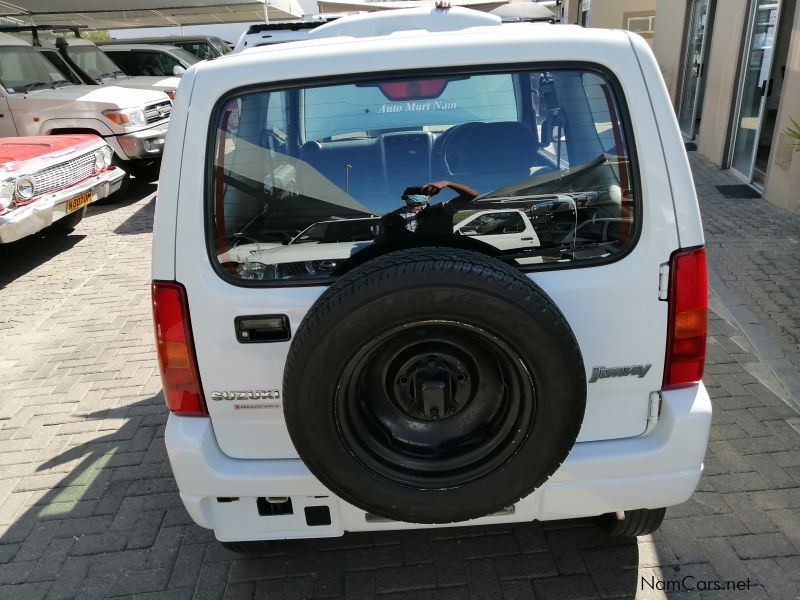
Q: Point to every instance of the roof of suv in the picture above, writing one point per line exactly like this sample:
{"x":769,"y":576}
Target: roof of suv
{"x":414,"y":27}
{"x":10,"y":40}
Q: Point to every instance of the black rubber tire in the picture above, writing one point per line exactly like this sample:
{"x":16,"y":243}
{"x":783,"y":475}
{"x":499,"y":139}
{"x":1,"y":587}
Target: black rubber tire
{"x":144,"y":171}
{"x":256,"y":547}
{"x":642,"y":521}
{"x":70,"y":222}
{"x":420,"y":285}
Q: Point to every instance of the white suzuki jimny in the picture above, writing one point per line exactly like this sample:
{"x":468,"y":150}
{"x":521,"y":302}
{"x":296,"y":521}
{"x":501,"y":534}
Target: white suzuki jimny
{"x":394,"y":366}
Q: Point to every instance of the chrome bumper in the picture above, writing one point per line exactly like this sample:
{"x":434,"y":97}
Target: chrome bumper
{"x":147,"y":143}
{"x":33,"y":217}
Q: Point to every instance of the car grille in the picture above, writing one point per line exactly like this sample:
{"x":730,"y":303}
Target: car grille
{"x":319,"y":268}
{"x":292,"y":269}
{"x":158,"y":112}
{"x":64,"y":175}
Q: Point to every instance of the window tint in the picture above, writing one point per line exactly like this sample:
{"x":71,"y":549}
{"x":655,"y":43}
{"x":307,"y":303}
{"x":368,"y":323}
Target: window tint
{"x":54,"y":58}
{"x":186,"y":57}
{"x":23,"y":69}
{"x":148,"y":63}
{"x":520,"y":163}
{"x":202,"y":50}
{"x":124,"y":59}
{"x":91,"y":60}
{"x":351,"y":111}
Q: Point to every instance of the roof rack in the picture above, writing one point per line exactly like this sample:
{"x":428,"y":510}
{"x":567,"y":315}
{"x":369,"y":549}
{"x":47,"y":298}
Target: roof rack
{"x":35,"y":29}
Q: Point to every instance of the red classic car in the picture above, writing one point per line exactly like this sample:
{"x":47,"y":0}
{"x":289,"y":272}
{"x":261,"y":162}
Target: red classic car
{"x":49,"y":180}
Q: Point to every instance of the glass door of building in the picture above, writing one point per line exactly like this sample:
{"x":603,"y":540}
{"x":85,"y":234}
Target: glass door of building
{"x":697,"y":43}
{"x":753,"y":86}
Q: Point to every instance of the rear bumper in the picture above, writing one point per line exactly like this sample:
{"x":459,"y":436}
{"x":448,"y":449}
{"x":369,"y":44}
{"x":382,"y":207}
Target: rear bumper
{"x":143,"y":144}
{"x":48,"y":209}
{"x":659,"y":469}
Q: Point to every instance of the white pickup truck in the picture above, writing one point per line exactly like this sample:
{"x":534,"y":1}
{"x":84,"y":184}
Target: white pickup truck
{"x":35,"y":99}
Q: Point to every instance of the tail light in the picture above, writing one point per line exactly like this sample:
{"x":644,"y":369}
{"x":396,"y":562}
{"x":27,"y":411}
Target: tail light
{"x":416,"y":89}
{"x":688,"y":318}
{"x":176,"y":358}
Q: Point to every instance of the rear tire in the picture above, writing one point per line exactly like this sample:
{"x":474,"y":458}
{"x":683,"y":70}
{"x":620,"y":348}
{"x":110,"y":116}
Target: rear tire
{"x":642,"y":521}
{"x":144,"y":171}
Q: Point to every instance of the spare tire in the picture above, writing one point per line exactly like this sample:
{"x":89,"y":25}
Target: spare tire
{"x":434,"y":385}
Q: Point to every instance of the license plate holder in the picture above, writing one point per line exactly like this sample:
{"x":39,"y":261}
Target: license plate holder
{"x":79,"y":201}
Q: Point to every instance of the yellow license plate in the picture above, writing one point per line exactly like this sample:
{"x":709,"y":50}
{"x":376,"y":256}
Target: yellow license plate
{"x":79,"y":201}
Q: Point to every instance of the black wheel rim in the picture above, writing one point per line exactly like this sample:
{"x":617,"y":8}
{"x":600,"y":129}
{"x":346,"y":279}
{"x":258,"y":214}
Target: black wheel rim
{"x":435,"y":404}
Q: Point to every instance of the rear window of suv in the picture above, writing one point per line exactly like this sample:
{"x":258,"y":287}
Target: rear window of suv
{"x":522,"y":165}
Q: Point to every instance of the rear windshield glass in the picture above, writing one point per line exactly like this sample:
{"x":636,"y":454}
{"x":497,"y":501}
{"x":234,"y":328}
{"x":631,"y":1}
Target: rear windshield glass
{"x":532,"y":167}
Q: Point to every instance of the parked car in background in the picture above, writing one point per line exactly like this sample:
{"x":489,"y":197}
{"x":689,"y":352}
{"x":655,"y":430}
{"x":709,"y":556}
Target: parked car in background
{"x":85,"y":60}
{"x":266,"y":34}
{"x":36,"y":99}
{"x":204,"y":47}
{"x":150,"y":59}
{"x":317,"y":250}
{"x":50,"y":180}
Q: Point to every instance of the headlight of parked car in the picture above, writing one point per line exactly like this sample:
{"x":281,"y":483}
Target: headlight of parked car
{"x":108,"y":155}
{"x":24,"y":188}
{"x":102,"y":158}
{"x":255,"y":270}
{"x":128,"y":117}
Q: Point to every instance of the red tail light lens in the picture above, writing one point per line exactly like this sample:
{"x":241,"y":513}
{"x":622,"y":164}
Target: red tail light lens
{"x":176,"y":358}
{"x":416,"y":89}
{"x":688,"y":318}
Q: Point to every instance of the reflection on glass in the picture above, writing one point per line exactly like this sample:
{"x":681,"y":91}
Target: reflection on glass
{"x":531,"y":167}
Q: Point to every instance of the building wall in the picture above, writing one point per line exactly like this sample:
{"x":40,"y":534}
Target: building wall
{"x":783,"y":172}
{"x":669,"y":41}
{"x":614,"y":14}
{"x":722,"y":74}
{"x":622,"y":14}
{"x":570,"y":10}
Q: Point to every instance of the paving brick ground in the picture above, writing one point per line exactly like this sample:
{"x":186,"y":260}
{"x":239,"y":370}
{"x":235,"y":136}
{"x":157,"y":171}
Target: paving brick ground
{"x":88,"y":507}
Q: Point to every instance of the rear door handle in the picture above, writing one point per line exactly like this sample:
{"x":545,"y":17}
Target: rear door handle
{"x":526,"y":239}
{"x":262,"y":328}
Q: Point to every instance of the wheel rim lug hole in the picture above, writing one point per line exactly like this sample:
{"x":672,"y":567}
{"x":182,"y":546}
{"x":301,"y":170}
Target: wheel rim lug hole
{"x":461,"y":378}
{"x":403,"y":380}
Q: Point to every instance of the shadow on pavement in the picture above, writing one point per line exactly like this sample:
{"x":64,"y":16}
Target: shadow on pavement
{"x":107,"y":521}
{"x":139,"y":222}
{"x":136,"y":192}
{"x":22,"y":256}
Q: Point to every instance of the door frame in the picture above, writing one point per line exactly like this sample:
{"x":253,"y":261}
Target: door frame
{"x":8,"y":127}
{"x":704,"y":52}
{"x":743,"y":67}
